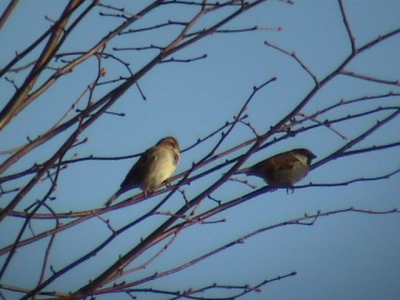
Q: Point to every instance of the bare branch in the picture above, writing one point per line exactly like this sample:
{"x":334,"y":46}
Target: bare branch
{"x":369,"y":78}
{"x":348,"y":28}
{"x":293,"y":55}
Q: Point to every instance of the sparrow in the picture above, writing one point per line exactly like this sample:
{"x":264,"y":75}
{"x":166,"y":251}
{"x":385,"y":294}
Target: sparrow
{"x":283,"y":169}
{"x":154,"y":166}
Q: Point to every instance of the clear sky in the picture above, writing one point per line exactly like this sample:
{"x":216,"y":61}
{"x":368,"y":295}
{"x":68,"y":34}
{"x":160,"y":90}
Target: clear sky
{"x":346,"y":256}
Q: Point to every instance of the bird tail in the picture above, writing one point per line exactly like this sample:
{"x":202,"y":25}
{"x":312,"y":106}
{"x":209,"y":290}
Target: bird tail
{"x":113,"y":197}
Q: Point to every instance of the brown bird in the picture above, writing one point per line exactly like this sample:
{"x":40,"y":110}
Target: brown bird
{"x":155,"y":166}
{"x":283,"y":169}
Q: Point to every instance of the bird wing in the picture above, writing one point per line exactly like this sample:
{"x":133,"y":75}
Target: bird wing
{"x":176,"y":158}
{"x":285,"y":161}
{"x":136,"y":173}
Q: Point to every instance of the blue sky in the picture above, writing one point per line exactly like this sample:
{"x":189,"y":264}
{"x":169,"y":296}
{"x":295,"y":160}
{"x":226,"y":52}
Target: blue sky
{"x":345,"y":256}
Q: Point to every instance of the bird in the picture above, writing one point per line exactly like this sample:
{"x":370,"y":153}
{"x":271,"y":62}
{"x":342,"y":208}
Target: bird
{"x":154,"y":166}
{"x":283,"y":169}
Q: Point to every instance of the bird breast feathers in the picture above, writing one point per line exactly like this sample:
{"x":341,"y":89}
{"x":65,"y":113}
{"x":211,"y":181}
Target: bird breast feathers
{"x":163,"y":160}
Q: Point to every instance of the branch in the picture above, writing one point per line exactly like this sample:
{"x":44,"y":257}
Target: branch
{"x":7,"y":12}
{"x":356,"y":140}
{"x":348,"y":28}
{"x":307,"y":219}
{"x":369,"y":78}
{"x":294,"y":56}
{"x":19,"y":100}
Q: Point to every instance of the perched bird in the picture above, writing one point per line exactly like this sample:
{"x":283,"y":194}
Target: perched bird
{"x":283,"y":169}
{"x":154,"y":167}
